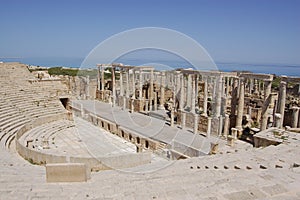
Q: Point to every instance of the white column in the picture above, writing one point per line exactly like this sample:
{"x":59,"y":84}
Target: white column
{"x":282,"y":100}
{"x":264,"y":117}
{"x":181,"y":103}
{"x":141,"y":85}
{"x":151,"y":91}
{"x":162,"y":92}
{"x":189,"y":90}
{"x":133,"y":83}
{"x":208,"y":127}
{"x":121,"y":84}
{"x":193,"y":94}
{"x":240,"y":110}
{"x":205,"y":95}
{"x":226,"y":125}
{"x":218,"y":97}
{"x":196,"y":123}
{"x":127,"y":84}
{"x":113,"y":86}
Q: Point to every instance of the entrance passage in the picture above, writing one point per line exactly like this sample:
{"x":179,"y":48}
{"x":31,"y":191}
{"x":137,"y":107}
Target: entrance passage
{"x":65,"y":102}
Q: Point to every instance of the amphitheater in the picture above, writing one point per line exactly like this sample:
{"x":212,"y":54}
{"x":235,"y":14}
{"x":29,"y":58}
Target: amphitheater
{"x":145,"y":134}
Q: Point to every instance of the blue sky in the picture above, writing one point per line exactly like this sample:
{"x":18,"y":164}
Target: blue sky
{"x":245,"y":31}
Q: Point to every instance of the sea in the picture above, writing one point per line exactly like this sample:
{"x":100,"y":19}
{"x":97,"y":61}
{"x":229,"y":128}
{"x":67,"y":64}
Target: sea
{"x":277,"y":69}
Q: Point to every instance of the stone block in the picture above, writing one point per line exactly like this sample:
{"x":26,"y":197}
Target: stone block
{"x":66,"y":172}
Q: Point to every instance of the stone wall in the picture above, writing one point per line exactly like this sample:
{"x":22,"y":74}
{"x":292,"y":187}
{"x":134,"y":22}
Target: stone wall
{"x":98,"y":163}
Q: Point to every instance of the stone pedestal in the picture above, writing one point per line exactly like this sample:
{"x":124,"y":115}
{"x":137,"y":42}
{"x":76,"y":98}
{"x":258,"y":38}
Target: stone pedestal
{"x":234,"y":133}
{"x":278,"y":120}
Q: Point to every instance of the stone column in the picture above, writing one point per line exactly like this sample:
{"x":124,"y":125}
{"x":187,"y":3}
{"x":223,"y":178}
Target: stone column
{"x":240,"y":109}
{"x":226,"y":125}
{"x":208,"y":127}
{"x":282,"y":100}
{"x":132,"y":105}
{"x":189,"y":91}
{"x":255,"y":87}
{"x":121,"y":84}
{"x":234,"y":97}
{"x":267,"y":92}
{"x":162,"y":92}
{"x":174,"y":86}
{"x":197,"y":91}
{"x":251,"y":86}
{"x":196,"y":123}
{"x":127,"y":84}
{"x":181,"y":102}
{"x":146,"y":105}
{"x":113,"y":77}
{"x":177,"y":83}
{"x":151,"y":91}
{"x":218,"y":97}
{"x":214,"y":82}
{"x":87,"y":87}
{"x":82,"y":111}
{"x":172,"y":117}
{"x":102,"y":83}
{"x":295,"y":117}
{"x":98,"y":79}
{"x":124,"y":102}
{"x":155,"y":101}
{"x":227,"y":87}
{"x":141,"y":86}
{"x":183,"y":119}
{"x":259,"y":86}
{"x":193,"y":95}
{"x":205,"y":96}
{"x":220,"y":125}
{"x":133,"y":83}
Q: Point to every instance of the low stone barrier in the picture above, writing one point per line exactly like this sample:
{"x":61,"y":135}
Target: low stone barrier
{"x":67,"y":172}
